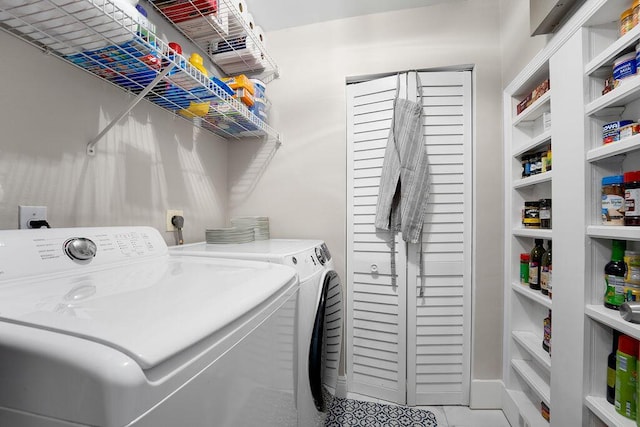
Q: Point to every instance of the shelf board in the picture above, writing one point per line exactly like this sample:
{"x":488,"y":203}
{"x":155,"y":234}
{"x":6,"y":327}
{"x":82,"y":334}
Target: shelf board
{"x":534,"y":143}
{"x":535,"y":296}
{"x":535,"y":233}
{"x":527,"y":409}
{"x":535,"y":110}
{"x":612,"y":318}
{"x":607,"y":151}
{"x":533,"y":345}
{"x":619,"y":232}
{"x":533,"y":180}
{"x":533,"y":379}
{"x":606,"y":412}
{"x":629,"y":90}
{"x":606,"y":58}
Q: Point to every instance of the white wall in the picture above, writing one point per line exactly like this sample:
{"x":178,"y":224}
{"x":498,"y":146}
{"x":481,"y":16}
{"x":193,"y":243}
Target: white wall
{"x":148,"y":163}
{"x":517,"y":46}
{"x":303,"y":189}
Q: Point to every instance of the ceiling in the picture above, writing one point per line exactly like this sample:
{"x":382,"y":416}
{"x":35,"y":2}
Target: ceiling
{"x":274,"y":15}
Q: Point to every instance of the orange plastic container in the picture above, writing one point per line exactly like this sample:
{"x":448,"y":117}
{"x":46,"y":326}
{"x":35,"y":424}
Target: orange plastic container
{"x":240,"y":81}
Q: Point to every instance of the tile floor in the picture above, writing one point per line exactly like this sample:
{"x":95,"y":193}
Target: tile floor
{"x":455,"y":416}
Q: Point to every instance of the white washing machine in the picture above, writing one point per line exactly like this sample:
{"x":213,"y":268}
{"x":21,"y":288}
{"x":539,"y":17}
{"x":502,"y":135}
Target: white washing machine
{"x":102,"y":327}
{"x":320,"y":313}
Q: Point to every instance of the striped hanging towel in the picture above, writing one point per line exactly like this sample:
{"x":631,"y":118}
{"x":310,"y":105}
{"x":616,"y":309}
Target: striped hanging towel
{"x":404,"y":183}
{"x":405,"y":179}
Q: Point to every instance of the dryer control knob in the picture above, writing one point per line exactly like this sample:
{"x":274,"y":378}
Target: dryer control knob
{"x":374,"y":268}
{"x":80,"y":248}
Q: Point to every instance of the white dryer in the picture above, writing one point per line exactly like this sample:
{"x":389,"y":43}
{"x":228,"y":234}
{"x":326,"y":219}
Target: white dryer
{"x":320,"y":311}
{"x":102,"y":327}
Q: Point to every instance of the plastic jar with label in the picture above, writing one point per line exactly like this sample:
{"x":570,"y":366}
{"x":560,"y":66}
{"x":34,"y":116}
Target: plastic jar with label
{"x":625,"y":66}
{"x":632,"y":198}
{"x":635,"y":12}
{"x":632,"y":265}
{"x":531,"y":215}
{"x":613,"y":200}
{"x":626,"y":21}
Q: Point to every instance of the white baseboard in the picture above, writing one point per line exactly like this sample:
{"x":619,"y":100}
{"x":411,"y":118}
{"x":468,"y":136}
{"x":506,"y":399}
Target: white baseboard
{"x":341,"y":387}
{"x":486,"y":394}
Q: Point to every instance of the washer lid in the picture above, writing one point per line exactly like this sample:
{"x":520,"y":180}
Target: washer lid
{"x":270,"y":249}
{"x":149,"y":310}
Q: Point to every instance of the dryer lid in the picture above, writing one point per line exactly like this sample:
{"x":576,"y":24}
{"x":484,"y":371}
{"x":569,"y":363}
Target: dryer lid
{"x":149,"y":310}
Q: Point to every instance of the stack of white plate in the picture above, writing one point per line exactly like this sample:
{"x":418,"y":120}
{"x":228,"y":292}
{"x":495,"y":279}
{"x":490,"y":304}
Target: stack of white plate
{"x":229,"y":235}
{"x":259,"y":224}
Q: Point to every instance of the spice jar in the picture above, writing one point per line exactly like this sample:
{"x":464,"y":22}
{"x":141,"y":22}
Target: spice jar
{"x":626,"y":21}
{"x":635,"y":15}
{"x":632,"y":198}
{"x":524,"y":268}
{"x":613,"y":200}
{"x":526,"y":167}
{"x":539,"y":163}
{"x":543,"y":162}
{"x":545,"y":213}
{"x":531,"y":215}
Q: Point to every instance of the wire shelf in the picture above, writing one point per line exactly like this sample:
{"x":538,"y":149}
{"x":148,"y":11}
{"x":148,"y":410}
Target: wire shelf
{"x":112,"y":40}
{"x":225,"y":31}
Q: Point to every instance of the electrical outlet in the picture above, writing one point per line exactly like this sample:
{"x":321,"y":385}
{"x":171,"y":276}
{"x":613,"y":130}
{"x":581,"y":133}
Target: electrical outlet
{"x":30,"y":213}
{"x":170,"y":214}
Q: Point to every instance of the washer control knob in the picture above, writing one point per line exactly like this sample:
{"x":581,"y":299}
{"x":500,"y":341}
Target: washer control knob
{"x":80,"y":248}
{"x":374,"y":268}
{"x":320,"y":255}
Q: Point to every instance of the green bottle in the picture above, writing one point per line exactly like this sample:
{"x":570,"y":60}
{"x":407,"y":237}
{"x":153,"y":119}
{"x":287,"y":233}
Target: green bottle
{"x":614,"y":273}
{"x":535,"y":262}
{"x":626,"y":376}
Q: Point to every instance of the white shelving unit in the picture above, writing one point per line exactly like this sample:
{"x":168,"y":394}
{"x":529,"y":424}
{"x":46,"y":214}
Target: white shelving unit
{"x":113,"y":42}
{"x":603,"y":45}
{"x":527,"y":366}
{"x":577,"y":60}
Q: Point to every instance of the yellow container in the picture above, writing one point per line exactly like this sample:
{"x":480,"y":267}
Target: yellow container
{"x":196,"y":109}
{"x":626,"y":21}
{"x":635,"y":12}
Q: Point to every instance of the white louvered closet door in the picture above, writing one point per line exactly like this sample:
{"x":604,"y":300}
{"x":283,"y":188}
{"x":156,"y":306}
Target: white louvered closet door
{"x":403,"y":347}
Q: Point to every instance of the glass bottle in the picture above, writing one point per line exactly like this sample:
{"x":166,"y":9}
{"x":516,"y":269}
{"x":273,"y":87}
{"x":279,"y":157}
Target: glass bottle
{"x":614,"y":273}
{"x":611,"y":369}
{"x":545,"y":270}
{"x":535,"y":263}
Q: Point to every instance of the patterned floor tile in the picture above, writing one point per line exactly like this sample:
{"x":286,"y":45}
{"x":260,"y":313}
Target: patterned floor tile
{"x":355,"y":413}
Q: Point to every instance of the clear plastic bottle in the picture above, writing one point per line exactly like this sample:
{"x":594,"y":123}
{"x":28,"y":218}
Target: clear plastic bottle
{"x":626,"y":375}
